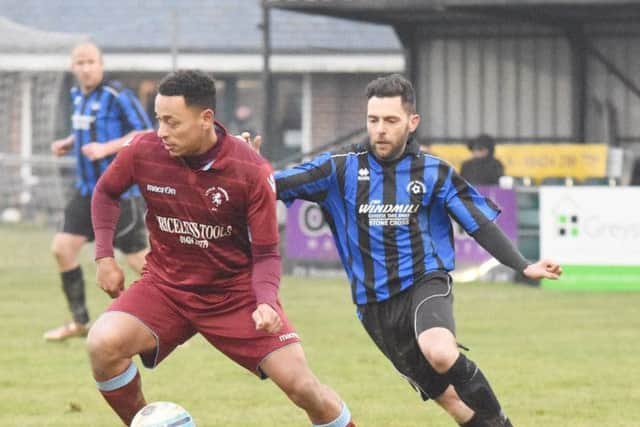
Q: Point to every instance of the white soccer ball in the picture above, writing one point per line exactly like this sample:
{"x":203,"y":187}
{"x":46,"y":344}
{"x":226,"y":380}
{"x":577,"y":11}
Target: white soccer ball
{"x":163,"y":414}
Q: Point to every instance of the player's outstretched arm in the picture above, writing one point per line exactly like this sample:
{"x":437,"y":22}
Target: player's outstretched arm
{"x":493,"y":239}
{"x":99,"y":150}
{"x":109,"y":276}
{"x":543,"y":269}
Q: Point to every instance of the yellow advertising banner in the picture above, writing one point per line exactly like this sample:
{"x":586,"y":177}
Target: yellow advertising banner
{"x":538,"y":160}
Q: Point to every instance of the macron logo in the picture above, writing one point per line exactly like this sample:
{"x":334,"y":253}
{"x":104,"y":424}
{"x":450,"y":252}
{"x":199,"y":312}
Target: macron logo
{"x":161,"y":189}
{"x":289,"y":336}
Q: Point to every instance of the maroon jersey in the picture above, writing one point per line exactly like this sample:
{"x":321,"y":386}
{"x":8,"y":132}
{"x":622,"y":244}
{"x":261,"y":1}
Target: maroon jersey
{"x":202,"y":223}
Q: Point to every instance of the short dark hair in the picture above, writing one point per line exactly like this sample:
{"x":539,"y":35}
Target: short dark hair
{"x":197,"y":87}
{"x":482,"y":141}
{"x":391,"y":86}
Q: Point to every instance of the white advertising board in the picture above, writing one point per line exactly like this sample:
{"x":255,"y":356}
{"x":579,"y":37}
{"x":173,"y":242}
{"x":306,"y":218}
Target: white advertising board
{"x":590,"y":225}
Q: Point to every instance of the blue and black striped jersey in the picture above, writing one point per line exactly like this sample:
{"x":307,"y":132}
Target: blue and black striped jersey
{"x":390,"y":221}
{"x":108,"y":112}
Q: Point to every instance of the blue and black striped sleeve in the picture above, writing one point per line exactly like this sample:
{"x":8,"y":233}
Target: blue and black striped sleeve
{"x":308,"y":181}
{"x":465,"y":204}
{"x":132,"y":112}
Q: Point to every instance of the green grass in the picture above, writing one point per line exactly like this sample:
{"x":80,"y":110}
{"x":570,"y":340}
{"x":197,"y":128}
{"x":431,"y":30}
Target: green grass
{"x":554,"y":358}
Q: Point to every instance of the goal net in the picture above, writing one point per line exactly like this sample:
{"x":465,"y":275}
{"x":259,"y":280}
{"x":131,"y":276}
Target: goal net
{"x":33,"y":112}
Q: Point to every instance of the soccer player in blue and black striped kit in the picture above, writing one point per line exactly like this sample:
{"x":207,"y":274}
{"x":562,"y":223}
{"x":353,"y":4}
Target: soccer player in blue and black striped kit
{"x":389,"y":207}
{"x":104,"y":116}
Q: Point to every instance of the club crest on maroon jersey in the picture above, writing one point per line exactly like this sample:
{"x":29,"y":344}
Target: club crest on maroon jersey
{"x":216,"y":196}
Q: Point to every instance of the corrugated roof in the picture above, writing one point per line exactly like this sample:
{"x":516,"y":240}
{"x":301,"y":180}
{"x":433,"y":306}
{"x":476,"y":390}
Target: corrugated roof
{"x":218,"y":26}
{"x":427,"y":11}
{"x":436,"y":4}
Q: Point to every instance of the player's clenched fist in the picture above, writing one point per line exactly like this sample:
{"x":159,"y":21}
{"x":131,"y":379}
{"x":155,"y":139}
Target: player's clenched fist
{"x":267,"y":319}
{"x":61,"y":147}
{"x":109,"y":276}
{"x":543,"y":269}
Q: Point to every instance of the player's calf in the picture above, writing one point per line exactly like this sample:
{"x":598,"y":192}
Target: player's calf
{"x":475,"y":391}
{"x":124,"y":393}
{"x":343,"y":420}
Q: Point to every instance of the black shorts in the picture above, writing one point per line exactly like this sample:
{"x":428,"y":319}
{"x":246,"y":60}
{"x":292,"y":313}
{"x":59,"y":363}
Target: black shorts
{"x":131,"y":232}
{"x":395,"y":324}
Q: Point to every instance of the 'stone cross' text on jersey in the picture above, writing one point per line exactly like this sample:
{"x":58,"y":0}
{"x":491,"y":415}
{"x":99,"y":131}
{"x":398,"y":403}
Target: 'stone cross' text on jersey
{"x":380,"y":214}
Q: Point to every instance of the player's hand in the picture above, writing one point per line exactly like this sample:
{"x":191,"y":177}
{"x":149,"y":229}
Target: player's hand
{"x":543,"y":269}
{"x":94,"y":151}
{"x":255,"y":142}
{"x":109,"y":276}
{"x":60,"y":147}
{"x":266,"y":319}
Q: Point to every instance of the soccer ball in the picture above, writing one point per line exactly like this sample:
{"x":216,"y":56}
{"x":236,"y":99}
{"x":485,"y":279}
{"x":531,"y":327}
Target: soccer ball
{"x":163,"y":414}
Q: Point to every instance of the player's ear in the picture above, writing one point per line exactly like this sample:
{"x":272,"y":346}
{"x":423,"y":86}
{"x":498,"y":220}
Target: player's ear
{"x":414,"y":121}
{"x":208,"y":117}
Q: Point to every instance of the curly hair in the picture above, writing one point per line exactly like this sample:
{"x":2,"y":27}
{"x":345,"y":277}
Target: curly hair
{"x":197,"y":87}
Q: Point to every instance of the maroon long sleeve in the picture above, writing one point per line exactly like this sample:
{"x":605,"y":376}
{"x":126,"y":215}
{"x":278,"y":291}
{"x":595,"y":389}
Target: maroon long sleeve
{"x":265,"y":275}
{"x":105,"y":211}
{"x":105,"y":202}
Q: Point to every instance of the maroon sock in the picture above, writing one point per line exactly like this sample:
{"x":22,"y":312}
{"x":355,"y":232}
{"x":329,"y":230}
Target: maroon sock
{"x":127,"y":400}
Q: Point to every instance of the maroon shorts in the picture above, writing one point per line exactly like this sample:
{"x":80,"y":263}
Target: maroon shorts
{"x":223,"y":317}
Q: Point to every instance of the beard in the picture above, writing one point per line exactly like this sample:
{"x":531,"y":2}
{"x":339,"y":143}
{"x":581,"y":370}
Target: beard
{"x":388,"y":150}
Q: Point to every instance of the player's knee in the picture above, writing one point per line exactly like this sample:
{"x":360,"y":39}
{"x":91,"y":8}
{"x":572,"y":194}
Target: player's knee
{"x":104,"y":344}
{"x":57,"y":250}
{"x":441,"y":355}
{"x":62,"y":252}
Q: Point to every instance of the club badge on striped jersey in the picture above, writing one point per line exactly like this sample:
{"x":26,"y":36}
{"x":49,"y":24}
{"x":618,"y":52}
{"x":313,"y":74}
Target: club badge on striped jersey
{"x":216,"y":196}
{"x":416,"y":187}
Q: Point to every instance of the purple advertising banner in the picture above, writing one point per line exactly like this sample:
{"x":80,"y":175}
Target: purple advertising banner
{"x":467,"y":250}
{"x":308,"y":237}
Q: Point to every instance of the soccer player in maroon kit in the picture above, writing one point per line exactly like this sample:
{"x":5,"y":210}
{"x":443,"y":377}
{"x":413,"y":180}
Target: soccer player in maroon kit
{"x":214,"y":266}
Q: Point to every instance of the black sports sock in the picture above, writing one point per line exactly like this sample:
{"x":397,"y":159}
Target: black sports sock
{"x":475,"y":421}
{"x":474,"y":390}
{"x":73,"y":286}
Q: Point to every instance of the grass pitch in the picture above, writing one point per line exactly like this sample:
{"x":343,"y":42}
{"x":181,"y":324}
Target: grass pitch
{"x":554,"y":358}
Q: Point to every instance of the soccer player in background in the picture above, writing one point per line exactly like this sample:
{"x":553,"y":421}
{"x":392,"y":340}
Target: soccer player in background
{"x":214,"y":266}
{"x":389,"y":207}
{"x":104,"y":116}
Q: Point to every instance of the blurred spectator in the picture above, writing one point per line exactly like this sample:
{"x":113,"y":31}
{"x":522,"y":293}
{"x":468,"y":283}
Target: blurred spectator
{"x":242,"y":121}
{"x":482,"y":168}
